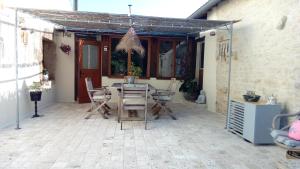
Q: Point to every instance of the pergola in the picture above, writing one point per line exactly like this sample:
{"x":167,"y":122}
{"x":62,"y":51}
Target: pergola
{"x":92,"y":23}
{"x":76,"y":21}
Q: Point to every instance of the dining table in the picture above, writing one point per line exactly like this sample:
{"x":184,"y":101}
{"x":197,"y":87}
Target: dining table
{"x":118,"y":86}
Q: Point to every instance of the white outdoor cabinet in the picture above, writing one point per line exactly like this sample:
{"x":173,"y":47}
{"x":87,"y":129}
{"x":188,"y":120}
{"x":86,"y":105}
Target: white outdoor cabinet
{"x":252,"y":121}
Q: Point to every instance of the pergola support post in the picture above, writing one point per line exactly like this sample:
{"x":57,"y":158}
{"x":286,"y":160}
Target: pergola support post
{"x":17,"y":72}
{"x":230,"y":31}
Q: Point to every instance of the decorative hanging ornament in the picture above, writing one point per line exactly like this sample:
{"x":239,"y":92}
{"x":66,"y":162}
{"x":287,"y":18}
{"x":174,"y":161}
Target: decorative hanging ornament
{"x":130,"y":41}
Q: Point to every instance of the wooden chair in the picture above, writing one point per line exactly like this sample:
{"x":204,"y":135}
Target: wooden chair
{"x":161,"y":97}
{"x":133,"y":97}
{"x":280,"y":136}
{"x":99,"y":98}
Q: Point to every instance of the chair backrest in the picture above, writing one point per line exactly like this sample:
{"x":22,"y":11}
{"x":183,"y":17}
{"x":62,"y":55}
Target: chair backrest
{"x":136,"y":88}
{"x":89,"y":86}
{"x":173,"y":85}
{"x":135,"y":91}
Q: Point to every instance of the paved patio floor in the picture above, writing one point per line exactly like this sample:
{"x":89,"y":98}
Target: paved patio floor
{"x":62,"y":138}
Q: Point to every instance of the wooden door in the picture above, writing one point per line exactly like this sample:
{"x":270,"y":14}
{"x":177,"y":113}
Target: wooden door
{"x":89,"y":61}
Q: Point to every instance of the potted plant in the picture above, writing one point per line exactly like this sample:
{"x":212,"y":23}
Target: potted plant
{"x":35,"y":91}
{"x":134,"y":71}
{"x":190,"y":89}
{"x":45,"y":74}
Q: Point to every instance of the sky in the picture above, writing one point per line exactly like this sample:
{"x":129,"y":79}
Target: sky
{"x":162,"y":8}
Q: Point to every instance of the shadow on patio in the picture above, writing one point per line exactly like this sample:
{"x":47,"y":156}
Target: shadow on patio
{"x":64,"y":139}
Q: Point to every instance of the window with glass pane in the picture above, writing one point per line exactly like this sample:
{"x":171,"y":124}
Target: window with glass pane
{"x":90,"y":57}
{"x":181,"y":55}
{"x":118,"y":59}
{"x":139,"y":60}
{"x":166,"y":58}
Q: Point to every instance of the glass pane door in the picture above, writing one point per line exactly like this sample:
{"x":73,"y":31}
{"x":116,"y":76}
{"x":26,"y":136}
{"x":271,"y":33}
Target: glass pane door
{"x":90,"y":59}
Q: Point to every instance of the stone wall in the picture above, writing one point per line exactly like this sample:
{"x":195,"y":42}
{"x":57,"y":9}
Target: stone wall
{"x":266,"y":51}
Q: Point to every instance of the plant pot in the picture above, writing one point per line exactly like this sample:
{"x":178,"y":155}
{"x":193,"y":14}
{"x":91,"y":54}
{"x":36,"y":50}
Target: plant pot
{"x":35,"y":95}
{"x":189,"y":96}
{"x":130,"y":79}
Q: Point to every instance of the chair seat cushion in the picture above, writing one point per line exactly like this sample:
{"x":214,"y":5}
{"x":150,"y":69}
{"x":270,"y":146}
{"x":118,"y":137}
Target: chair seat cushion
{"x":99,"y":93}
{"x":134,"y":101}
{"x":276,"y":133}
{"x":288,"y":141}
{"x":162,"y":98}
{"x":294,"y":131}
{"x":101,"y":97}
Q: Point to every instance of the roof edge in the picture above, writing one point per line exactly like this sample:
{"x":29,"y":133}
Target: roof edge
{"x":204,"y":9}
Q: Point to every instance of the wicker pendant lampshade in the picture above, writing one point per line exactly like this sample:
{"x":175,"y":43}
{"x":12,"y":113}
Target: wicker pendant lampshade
{"x":130,"y":41}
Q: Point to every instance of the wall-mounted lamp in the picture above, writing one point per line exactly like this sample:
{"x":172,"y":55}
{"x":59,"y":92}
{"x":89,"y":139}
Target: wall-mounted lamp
{"x":98,"y":38}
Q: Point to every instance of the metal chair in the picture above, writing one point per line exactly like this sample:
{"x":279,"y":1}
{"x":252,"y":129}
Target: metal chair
{"x":133,"y":97}
{"x":280,"y":136}
{"x":99,"y":98}
{"x":161,"y":97}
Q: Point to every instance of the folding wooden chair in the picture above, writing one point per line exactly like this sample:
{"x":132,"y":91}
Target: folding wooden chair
{"x":161,"y":97}
{"x":99,"y":98}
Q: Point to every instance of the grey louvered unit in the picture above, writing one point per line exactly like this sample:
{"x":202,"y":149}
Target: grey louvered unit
{"x":236,"y":117}
{"x":252,"y":121}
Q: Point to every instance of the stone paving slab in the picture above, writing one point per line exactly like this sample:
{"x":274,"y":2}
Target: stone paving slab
{"x":63,"y":139}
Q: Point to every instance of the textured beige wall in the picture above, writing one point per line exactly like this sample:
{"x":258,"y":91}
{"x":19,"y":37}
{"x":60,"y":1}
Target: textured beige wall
{"x":65,"y":68}
{"x":265,"y":58}
{"x":210,"y":71}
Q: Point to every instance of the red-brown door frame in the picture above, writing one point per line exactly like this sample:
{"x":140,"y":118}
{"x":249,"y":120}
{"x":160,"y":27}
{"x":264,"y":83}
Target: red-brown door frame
{"x":82,"y":73}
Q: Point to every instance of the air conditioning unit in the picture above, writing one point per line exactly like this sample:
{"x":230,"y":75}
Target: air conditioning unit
{"x":252,"y":121}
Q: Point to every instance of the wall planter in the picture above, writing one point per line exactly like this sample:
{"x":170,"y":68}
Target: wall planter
{"x":35,"y":95}
{"x":65,"y":48}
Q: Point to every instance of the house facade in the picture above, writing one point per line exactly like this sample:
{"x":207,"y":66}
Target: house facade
{"x":73,"y":45}
{"x":266,"y":47}
{"x":169,"y":43}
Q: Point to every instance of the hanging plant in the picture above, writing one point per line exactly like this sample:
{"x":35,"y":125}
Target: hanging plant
{"x":65,"y":48}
